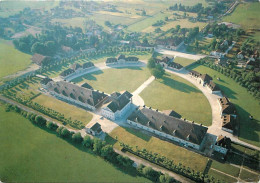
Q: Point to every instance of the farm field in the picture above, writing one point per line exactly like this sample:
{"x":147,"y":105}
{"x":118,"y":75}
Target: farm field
{"x":248,"y":176}
{"x":30,"y":154}
{"x":68,"y":110}
{"x":174,"y":93}
{"x":224,"y":167}
{"x":11,"y":59}
{"x":221,"y":176}
{"x":116,"y":79}
{"x":74,"y":22}
{"x":97,"y":59}
{"x":246,"y":14}
{"x":184,"y":61}
{"x":244,"y":102}
{"x":135,"y":138}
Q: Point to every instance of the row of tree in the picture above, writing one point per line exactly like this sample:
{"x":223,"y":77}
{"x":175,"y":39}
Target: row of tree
{"x":169,"y":164}
{"x":99,"y":147}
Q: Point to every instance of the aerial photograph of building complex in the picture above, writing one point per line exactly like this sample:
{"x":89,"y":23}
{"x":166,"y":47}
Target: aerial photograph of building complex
{"x":129,"y":91}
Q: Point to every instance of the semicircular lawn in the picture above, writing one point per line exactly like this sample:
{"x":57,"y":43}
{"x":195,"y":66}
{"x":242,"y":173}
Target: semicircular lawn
{"x":116,"y":79}
{"x":175,"y":93}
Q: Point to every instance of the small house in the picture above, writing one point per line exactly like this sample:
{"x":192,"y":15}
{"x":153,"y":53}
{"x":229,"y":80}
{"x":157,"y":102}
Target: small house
{"x":95,"y":129}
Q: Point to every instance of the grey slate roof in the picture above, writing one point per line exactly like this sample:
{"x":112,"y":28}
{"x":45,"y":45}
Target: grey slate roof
{"x":206,"y":78}
{"x":86,"y":85}
{"x":76,"y":66}
{"x":111,"y":60}
{"x":228,"y":121}
{"x":96,"y":127}
{"x":76,"y":92}
{"x":173,"y":126}
{"x":226,"y":106}
{"x":67,"y":72}
{"x":121,"y":57}
{"x":118,"y":102}
{"x":87,"y":65}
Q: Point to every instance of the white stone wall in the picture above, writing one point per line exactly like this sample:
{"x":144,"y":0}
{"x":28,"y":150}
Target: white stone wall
{"x":118,"y":114}
{"x":77,"y":72}
{"x":227,"y":130}
{"x":170,"y":137}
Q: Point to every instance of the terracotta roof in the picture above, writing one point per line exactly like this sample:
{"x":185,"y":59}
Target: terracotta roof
{"x":213,"y":86}
{"x":169,"y":125}
{"x":228,"y":121}
{"x":223,"y":141}
{"x":206,"y":78}
{"x":40,"y":59}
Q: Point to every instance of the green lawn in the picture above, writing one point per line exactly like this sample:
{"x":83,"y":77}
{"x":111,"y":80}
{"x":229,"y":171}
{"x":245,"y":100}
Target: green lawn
{"x":30,"y":154}
{"x":12,"y":60}
{"x":245,"y":104}
{"x":221,"y":176}
{"x":97,"y":59}
{"x":178,"y":154}
{"x":184,"y":61}
{"x":69,"y":111}
{"x":116,"y":79}
{"x":224,"y":167}
{"x":246,"y":14}
{"x":174,"y":93}
{"x":248,"y":176}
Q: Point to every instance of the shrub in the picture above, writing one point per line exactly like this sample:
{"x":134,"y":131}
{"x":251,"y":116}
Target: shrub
{"x":77,"y":137}
{"x":51,"y":125}
{"x":40,"y":120}
{"x":87,"y":142}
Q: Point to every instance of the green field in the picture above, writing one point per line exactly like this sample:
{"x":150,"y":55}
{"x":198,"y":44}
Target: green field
{"x":116,"y":79}
{"x":221,"y":176}
{"x":184,"y":61}
{"x":224,"y":167}
{"x":68,"y":110}
{"x":54,"y":72}
{"x":246,"y":14}
{"x":248,"y":176}
{"x":135,"y":138}
{"x":30,"y":154}
{"x":12,"y":60}
{"x":174,"y":93}
{"x":245,"y":104}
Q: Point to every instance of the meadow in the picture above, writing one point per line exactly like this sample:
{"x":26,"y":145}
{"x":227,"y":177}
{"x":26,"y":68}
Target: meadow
{"x":11,"y":59}
{"x":246,"y":14}
{"x":116,"y":79}
{"x":174,"y":152}
{"x":184,"y":61}
{"x":31,"y":154}
{"x":174,"y":93}
{"x":245,"y":104}
{"x":69,"y":111}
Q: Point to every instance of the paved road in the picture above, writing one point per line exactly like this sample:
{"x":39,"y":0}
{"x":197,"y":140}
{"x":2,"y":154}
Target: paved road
{"x":180,"y":54}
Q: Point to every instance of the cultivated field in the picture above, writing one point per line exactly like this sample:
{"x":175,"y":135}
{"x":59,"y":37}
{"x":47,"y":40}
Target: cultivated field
{"x":135,"y":138}
{"x":30,"y":154}
{"x":174,"y":93}
{"x":116,"y":79}
{"x":247,"y":15}
{"x":245,"y":104}
{"x":68,"y":110}
{"x":11,"y":60}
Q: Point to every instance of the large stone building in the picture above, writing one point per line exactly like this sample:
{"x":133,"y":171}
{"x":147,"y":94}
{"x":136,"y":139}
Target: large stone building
{"x":72,"y":93}
{"x":122,"y":59}
{"x":181,"y":131}
{"x":76,"y":69}
{"x":117,"y":105}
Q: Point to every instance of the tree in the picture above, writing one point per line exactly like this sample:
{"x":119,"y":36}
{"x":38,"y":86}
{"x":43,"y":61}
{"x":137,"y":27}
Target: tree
{"x":177,"y":27}
{"x":97,"y":146}
{"x":37,"y":48}
{"x":107,"y":23}
{"x":51,"y":125}
{"x":107,"y":151}
{"x":150,"y":173}
{"x":197,"y":44}
{"x":166,"y":179}
{"x":77,"y":137}
{"x":87,"y":141}
{"x":158,"y":71}
{"x":143,"y":13}
{"x":40,"y":120}
{"x":151,"y":63}
{"x":166,"y":18}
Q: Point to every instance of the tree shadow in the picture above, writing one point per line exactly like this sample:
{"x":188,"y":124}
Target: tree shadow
{"x":89,"y":76}
{"x":174,"y":84}
{"x":227,"y":91}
